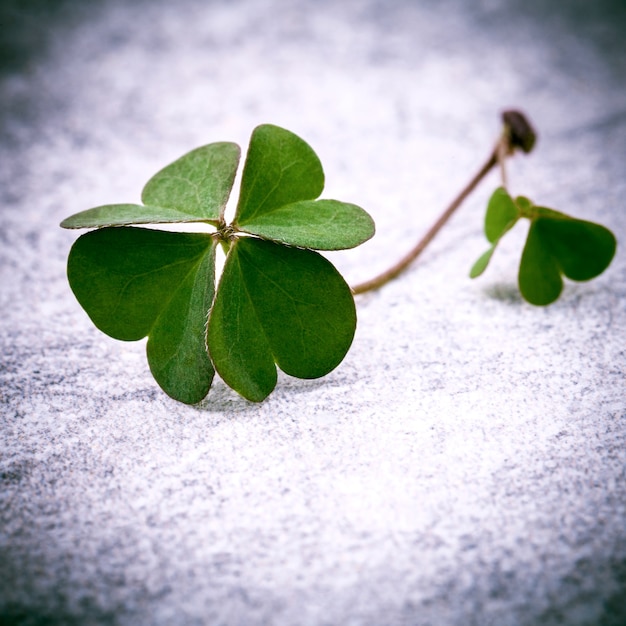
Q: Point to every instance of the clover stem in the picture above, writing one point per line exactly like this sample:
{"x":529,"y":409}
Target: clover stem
{"x":404,"y":262}
{"x":518,"y":133}
{"x":502,"y":148}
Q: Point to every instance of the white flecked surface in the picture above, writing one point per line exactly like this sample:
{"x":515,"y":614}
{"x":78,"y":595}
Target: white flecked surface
{"x":466,"y":462}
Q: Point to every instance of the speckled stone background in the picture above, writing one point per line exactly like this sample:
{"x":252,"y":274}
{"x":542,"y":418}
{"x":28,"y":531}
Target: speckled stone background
{"x":466,"y":463}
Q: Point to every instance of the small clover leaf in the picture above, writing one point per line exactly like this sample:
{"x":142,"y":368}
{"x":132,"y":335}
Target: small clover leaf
{"x":482,"y":262}
{"x":502,"y":214}
{"x":278,"y":301}
{"x":539,"y":277}
{"x":557,"y":245}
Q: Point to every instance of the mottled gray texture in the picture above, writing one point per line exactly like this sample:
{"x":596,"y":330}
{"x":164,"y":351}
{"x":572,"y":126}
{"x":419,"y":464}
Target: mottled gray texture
{"x":464,"y":465}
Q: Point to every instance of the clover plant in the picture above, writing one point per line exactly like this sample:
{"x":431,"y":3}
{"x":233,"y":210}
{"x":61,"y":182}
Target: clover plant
{"x":278,"y":301}
{"x":556,"y":244}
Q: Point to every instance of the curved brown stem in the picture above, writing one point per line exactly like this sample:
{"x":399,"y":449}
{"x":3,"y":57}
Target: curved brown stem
{"x":518,"y":133}
{"x":406,"y":260}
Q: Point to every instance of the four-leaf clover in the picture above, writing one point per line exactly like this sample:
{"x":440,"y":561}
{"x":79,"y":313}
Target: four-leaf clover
{"x":278,"y":301}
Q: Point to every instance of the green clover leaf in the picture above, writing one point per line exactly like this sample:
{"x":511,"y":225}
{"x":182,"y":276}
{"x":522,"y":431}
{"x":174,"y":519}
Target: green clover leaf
{"x":264,"y":284}
{"x":278,"y":302}
{"x":281,"y":179}
{"x":502,"y":214}
{"x":561,"y":245}
{"x":136,"y":282}
{"x":557,"y":245}
{"x":195,"y":188}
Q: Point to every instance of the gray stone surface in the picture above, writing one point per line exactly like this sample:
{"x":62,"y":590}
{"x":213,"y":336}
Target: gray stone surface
{"x":466,"y":462}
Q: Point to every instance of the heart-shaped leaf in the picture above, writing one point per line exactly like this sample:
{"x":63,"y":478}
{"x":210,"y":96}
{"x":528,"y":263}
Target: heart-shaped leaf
{"x":134,"y":282}
{"x":557,"y":245}
{"x":315,"y":224}
{"x":278,"y":304}
{"x":539,"y":277}
{"x":198,"y":183}
{"x":280,"y":169}
{"x":502,"y":214}
{"x":583,"y":250}
{"x":482,"y":262}
{"x":194,"y":188}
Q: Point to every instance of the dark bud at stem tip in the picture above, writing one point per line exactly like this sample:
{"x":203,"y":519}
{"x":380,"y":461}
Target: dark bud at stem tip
{"x":521,"y":133}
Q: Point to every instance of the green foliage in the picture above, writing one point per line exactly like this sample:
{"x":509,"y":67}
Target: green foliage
{"x":135,"y":282}
{"x":557,"y":245}
{"x":195,"y":188}
{"x":501,"y":216}
{"x":278,"y":302}
{"x":280,"y":169}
